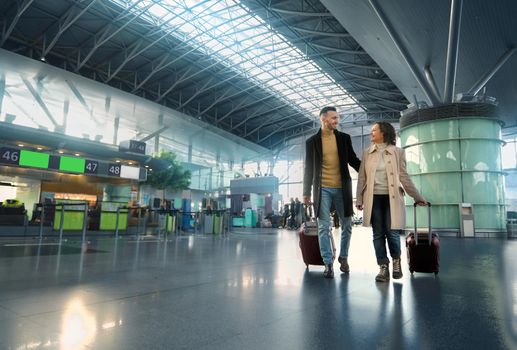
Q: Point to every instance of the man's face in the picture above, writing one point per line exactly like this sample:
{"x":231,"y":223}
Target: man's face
{"x":330,"y":120}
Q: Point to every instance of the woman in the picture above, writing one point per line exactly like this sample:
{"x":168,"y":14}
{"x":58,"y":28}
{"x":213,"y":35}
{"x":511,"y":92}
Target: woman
{"x":380,"y":193}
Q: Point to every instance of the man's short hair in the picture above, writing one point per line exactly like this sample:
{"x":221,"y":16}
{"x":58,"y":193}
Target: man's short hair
{"x":327,"y":109}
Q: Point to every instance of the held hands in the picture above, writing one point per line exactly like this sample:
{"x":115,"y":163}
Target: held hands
{"x":306,"y":200}
{"x":359,"y":207}
{"x":422,"y":203}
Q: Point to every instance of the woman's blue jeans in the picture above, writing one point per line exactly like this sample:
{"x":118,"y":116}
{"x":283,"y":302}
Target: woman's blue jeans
{"x":382,"y":232}
{"x":329,"y":196}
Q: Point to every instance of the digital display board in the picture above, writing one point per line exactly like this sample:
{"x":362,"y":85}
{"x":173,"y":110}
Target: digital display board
{"x":34,"y":159}
{"x":129,"y":172}
{"x":71,"y":164}
{"x":53,"y":162}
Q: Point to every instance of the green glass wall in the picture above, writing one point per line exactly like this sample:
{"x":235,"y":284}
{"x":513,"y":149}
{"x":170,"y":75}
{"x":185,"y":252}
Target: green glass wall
{"x":453,"y":161}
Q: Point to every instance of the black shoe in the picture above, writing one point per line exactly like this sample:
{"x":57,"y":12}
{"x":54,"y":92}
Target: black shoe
{"x":343,"y":264}
{"x":329,"y":271}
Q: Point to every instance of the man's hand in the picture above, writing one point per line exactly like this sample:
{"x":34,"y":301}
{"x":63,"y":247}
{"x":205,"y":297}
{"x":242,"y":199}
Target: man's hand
{"x":306,"y":200}
{"x":359,"y":207}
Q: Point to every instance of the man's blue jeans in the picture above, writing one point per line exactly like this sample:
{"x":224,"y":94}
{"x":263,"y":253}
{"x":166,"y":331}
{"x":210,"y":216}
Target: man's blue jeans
{"x":382,"y":232}
{"x":329,"y":196}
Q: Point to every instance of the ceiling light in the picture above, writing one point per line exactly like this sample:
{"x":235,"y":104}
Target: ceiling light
{"x":21,"y":145}
{"x":77,"y":154}
{"x":60,"y":152}
{"x":39,"y":148}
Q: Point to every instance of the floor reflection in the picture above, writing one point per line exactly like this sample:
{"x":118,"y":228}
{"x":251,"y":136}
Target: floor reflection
{"x":250,"y":290}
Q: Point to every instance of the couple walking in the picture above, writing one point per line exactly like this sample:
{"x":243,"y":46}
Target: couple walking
{"x":382,"y":183}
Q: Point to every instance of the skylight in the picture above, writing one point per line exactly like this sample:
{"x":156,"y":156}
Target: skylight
{"x":233,"y":35}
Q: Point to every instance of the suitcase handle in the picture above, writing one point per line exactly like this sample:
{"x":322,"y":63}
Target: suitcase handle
{"x":305,"y":214}
{"x":416,"y":230}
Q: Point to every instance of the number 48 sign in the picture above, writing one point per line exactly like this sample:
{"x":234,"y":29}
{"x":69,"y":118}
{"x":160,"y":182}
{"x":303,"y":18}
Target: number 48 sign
{"x":114,"y":169}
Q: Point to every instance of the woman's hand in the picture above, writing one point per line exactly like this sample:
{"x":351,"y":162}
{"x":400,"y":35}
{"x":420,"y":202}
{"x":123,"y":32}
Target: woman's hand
{"x":422,"y":203}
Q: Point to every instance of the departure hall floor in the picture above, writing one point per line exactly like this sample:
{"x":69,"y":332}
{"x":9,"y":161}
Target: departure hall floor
{"x":250,"y":290}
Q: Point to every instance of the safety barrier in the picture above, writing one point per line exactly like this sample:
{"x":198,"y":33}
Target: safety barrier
{"x":125,"y":220}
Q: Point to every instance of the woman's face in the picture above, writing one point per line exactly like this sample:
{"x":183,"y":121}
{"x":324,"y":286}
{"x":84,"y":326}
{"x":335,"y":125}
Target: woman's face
{"x":376,"y":135}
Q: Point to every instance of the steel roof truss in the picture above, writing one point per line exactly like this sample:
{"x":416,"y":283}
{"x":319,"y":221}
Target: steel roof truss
{"x":104,"y":35}
{"x":69,"y":18}
{"x":21,"y":9}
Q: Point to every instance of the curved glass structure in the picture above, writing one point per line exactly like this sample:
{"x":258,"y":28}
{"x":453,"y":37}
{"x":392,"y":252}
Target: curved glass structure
{"x":453,"y":160}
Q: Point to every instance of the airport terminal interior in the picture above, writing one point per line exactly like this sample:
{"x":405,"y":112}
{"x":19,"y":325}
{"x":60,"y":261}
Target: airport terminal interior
{"x":152,"y":161}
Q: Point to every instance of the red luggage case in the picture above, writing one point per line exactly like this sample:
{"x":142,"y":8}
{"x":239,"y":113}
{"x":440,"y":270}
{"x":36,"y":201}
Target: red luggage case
{"x":423,"y":250}
{"x":309,"y":243}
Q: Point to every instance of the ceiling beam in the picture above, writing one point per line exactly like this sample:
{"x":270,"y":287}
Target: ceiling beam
{"x":452,"y":50}
{"x":68,"y":18}
{"x":431,"y":98}
{"x":21,"y":9}
{"x":104,"y":35}
{"x":492,"y":71}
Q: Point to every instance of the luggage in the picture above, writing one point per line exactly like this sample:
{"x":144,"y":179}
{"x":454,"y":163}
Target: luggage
{"x":423,"y":250}
{"x":309,"y":243}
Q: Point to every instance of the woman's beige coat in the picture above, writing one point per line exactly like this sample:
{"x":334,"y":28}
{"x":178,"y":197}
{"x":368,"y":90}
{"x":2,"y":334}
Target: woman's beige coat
{"x":398,"y":182}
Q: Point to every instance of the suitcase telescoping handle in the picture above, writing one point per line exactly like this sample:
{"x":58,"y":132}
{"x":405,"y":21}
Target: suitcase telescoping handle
{"x":416,"y":230}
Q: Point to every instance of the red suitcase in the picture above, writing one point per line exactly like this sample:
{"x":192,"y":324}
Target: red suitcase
{"x":309,"y":243}
{"x":423,"y":250}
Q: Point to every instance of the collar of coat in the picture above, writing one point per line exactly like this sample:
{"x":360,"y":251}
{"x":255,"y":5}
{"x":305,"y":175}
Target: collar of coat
{"x":389,"y":149}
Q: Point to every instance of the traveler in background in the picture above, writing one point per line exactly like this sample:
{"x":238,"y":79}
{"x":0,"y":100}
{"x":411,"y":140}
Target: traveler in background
{"x":297,"y":213}
{"x":285,"y":216}
{"x":327,"y":156}
{"x":382,"y":181}
{"x":292,"y":214}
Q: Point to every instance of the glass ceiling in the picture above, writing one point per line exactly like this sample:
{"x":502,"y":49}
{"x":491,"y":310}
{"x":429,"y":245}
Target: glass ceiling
{"x":232,"y":34}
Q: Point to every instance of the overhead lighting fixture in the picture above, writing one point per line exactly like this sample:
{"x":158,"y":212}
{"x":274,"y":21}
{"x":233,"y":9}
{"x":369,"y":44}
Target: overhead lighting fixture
{"x":118,"y":161}
{"x":21,"y":145}
{"x":77,"y":154}
{"x":60,"y":152}
{"x":130,"y":163}
{"x":39,"y":148}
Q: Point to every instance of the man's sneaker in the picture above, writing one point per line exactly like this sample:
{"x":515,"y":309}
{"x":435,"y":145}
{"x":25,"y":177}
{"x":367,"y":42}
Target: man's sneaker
{"x":384,"y":273}
{"x":397,"y":270}
{"x":329,"y":271}
{"x":344,"y":264}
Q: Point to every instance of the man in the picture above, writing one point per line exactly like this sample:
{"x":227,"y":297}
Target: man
{"x":327,"y":156}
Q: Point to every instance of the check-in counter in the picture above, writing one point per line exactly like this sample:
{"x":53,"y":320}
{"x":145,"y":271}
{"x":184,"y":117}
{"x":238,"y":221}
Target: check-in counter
{"x":73,"y":215}
{"x":108,"y":217}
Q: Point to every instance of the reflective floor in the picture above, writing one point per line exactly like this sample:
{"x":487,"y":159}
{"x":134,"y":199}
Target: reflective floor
{"x":250,"y":290}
